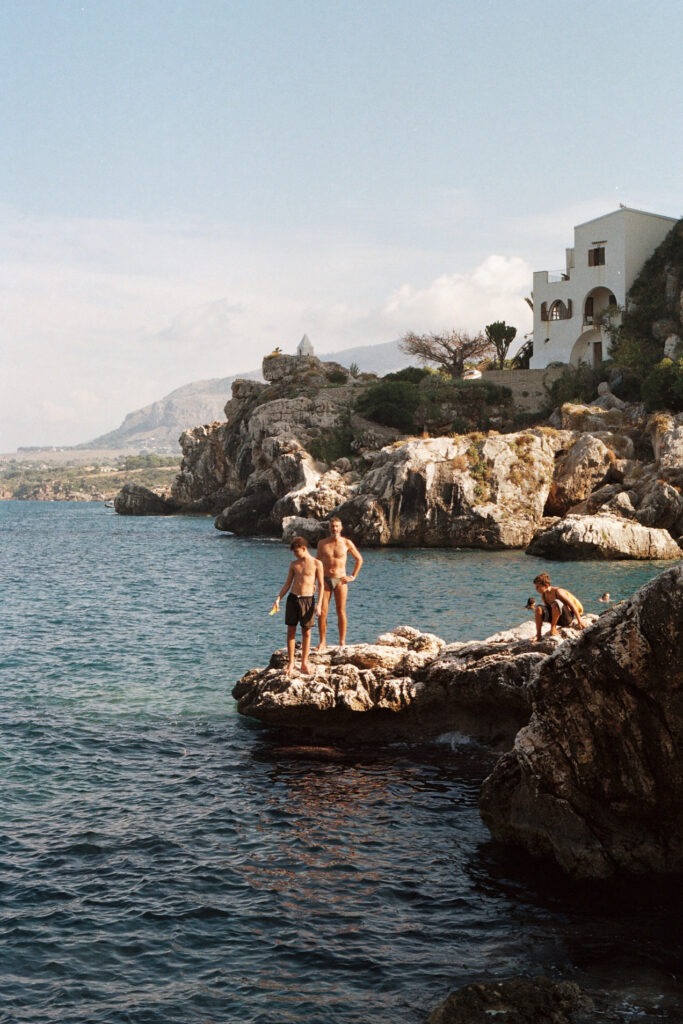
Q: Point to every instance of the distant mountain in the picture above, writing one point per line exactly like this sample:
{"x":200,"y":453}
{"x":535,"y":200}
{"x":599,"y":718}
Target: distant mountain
{"x":158,"y":426}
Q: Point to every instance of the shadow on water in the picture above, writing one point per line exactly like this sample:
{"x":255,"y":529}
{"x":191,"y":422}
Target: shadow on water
{"x":620,"y":939}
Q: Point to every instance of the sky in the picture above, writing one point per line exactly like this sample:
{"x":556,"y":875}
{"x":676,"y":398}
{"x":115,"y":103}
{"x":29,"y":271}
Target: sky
{"x":185,"y":184}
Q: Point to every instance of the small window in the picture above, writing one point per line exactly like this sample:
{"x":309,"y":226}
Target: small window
{"x":596,"y":257}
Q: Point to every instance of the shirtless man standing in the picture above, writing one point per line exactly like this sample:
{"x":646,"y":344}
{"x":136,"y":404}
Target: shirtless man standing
{"x":305,"y":576}
{"x":333,"y":552}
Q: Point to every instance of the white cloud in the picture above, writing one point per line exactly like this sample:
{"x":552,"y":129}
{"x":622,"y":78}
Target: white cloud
{"x":99,"y":318}
{"x":492,"y":291}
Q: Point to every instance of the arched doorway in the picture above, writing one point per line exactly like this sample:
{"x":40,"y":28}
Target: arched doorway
{"x":589,"y":349}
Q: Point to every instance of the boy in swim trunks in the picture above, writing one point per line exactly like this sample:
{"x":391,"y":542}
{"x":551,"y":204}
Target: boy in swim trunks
{"x":333,"y":552}
{"x":305,"y":576}
{"x":558,"y":606}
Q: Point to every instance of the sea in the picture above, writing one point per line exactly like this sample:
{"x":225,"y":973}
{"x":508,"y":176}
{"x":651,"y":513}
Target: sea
{"x":163,"y":859}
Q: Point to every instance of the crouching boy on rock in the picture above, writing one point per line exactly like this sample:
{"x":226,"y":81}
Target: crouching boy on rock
{"x":558,"y":606}
{"x":305,"y":577}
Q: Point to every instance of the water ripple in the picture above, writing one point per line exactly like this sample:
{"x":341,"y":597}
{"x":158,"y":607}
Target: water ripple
{"x":163,"y":861}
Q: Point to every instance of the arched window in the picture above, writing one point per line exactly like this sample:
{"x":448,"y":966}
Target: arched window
{"x":558,"y":310}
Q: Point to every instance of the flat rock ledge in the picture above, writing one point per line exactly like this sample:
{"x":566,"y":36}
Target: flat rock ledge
{"x":407,"y":686}
{"x":595,"y":780}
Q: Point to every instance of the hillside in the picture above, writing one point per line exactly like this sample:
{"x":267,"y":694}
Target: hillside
{"x":157,"y":426}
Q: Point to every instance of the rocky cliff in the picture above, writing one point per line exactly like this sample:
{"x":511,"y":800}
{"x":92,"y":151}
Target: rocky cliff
{"x":294,"y":449}
{"x":157,"y":426}
{"x":596,"y":778}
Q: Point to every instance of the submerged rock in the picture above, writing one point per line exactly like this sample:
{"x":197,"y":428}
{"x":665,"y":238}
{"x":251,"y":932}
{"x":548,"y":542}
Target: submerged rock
{"x":596,"y":778}
{"x":516,"y":1001}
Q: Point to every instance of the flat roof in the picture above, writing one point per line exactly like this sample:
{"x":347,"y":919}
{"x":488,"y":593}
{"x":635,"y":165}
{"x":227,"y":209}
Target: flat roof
{"x":628,"y":209}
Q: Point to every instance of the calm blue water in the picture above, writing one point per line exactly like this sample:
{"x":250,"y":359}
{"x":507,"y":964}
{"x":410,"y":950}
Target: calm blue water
{"x":162,"y":860}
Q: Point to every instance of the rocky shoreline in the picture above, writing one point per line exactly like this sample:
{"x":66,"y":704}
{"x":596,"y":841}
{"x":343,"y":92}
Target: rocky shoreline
{"x":588,"y":724}
{"x":591,"y":722}
{"x":597,"y":481}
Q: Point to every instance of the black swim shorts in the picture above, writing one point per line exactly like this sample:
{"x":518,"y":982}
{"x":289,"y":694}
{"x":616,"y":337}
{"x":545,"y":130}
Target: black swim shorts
{"x":566,"y":615}
{"x":299,"y":610}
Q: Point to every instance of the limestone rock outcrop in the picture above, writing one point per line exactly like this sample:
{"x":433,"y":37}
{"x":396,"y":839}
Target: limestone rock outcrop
{"x":204,"y":483}
{"x":294,"y":450}
{"x":666,"y":432}
{"x":462,"y":491}
{"x":596,"y":778}
{"x":317,"y":499}
{"x":407,"y":686}
{"x":136,"y":500}
{"x":602,"y":536}
{"x":579,"y":471}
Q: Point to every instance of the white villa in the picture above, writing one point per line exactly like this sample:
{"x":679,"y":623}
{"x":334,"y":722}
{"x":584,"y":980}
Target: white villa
{"x":607,"y":256}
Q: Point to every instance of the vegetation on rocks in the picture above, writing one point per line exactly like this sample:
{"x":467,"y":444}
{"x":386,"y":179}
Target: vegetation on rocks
{"x":78,"y":481}
{"x":416,"y":401}
{"x":653,"y":315}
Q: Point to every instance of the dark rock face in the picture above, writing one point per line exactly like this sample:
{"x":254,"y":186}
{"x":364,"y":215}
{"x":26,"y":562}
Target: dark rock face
{"x":596,"y":778}
{"x":517,"y":1001}
{"x":250,"y":514}
{"x":134,"y":500}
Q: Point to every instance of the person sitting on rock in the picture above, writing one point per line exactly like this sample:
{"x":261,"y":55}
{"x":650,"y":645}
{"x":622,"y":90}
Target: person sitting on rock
{"x":558,"y":607}
{"x":305,"y":577}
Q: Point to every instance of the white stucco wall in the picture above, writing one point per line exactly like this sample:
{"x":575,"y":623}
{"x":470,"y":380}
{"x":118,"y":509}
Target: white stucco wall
{"x":628,"y":237}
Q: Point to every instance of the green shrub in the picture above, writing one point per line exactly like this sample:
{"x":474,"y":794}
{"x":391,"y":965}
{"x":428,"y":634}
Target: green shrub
{"x":437,"y":403}
{"x":331,"y":445}
{"x":663,"y":387}
{"x":392,"y":403}
{"x":577,"y":384}
{"x":338,"y":377}
{"x":410,"y":374}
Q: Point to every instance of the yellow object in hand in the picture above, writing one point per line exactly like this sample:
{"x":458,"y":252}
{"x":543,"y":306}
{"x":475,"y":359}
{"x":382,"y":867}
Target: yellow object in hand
{"x":274,"y":609}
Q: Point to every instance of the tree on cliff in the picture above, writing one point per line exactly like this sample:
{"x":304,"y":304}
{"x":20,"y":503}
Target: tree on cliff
{"x":500,"y":335}
{"x":448,"y":351}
